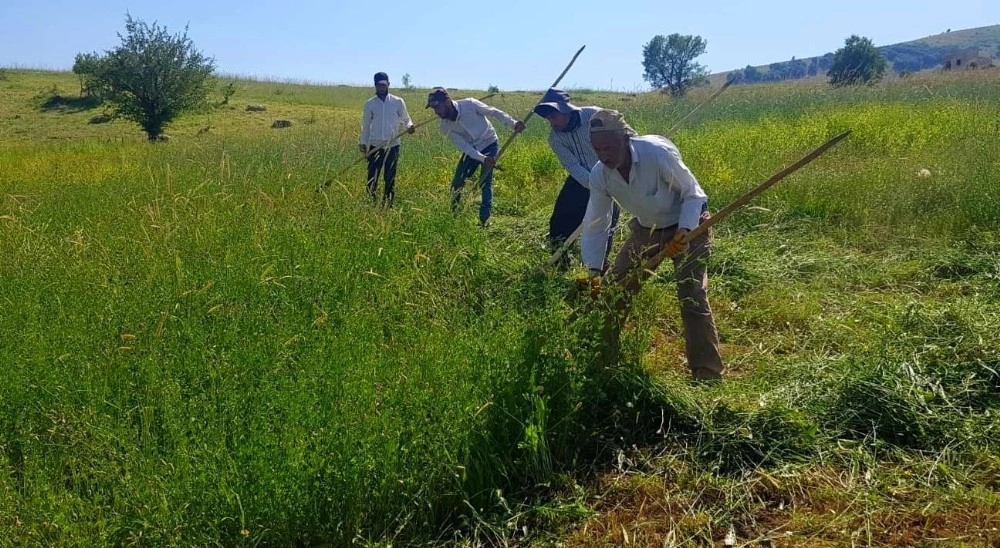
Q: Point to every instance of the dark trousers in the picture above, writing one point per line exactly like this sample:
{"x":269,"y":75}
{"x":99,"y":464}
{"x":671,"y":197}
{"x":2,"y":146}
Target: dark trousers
{"x":466,"y":168}
{"x":387,"y":159}
{"x":567,"y":214}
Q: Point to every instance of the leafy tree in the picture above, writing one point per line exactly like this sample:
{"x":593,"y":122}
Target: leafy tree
{"x":825,"y":62}
{"x":813,"y":69}
{"x":669,"y":62}
{"x":751,"y":74}
{"x":407,"y":83}
{"x":797,"y":68}
{"x":914,"y":57}
{"x":85,"y":66}
{"x":777,"y":71}
{"x":151,"y":78}
{"x":858,"y":62}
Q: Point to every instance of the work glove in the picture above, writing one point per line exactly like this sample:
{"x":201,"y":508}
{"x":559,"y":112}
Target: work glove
{"x":677,"y":245}
{"x":591,"y":283}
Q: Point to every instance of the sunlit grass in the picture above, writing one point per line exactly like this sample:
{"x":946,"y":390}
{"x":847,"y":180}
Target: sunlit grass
{"x":200,"y":348}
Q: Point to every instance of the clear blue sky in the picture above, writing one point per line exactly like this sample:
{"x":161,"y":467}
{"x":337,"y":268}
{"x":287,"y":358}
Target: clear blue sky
{"x":514,"y":44}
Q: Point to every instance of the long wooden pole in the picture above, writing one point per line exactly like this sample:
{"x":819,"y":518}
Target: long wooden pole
{"x":655,"y":261}
{"x":697,"y":108}
{"x":669,"y":133}
{"x":485,"y":170}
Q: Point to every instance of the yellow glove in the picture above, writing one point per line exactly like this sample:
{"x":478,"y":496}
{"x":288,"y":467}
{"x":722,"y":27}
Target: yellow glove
{"x":677,"y":245}
{"x":591,"y":283}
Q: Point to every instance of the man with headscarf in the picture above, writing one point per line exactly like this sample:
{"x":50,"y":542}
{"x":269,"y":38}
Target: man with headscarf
{"x":384,"y":115}
{"x":569,"y":139}
{"x":647,"y":178}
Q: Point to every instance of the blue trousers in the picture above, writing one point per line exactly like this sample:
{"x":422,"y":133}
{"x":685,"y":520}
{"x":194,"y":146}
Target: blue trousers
{"x":466,"y":168}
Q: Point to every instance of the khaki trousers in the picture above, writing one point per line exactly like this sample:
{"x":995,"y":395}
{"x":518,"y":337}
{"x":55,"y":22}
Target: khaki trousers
{"x":701,"y":339}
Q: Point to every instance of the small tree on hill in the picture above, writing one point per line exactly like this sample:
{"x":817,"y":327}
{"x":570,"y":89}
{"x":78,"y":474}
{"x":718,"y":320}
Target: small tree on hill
{"x":85,"y":67}
{"x":813,"y":69}
{"x":669,"y":63}
{"x":858,"y":62}
{"x":151,"y":78}
{"x":751,"y":74}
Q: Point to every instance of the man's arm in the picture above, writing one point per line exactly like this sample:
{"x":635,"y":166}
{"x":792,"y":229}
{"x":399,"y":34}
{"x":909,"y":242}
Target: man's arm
{"x":366,"y":124}
{"x":596,"y":223}
{"x":495,"y":113}
{"x":680,"y":178}
{"x":404,"y":115}
{"x":465,"y":146}
{"x":569,"y":160}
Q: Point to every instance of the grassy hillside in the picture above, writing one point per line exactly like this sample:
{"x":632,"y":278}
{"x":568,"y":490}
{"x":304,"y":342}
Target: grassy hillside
{"x":199,"y":348}
{"x":905,"y":57}
{"x":985,"y":39}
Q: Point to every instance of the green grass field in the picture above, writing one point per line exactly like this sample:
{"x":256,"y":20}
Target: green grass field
{"x":198,"y":348}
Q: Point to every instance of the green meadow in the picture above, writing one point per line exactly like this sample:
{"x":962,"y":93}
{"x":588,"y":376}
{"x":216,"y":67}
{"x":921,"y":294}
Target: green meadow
{"x":200,"y":344}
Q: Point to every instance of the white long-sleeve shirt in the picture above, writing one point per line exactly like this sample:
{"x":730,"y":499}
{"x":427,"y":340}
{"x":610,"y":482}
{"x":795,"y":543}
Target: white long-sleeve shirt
{"x":471,"y":131}
{"x":382,"y":120}
{"x":661,"y":191}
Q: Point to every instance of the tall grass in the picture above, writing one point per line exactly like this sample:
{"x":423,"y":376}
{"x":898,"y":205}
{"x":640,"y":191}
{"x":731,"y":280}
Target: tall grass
{"x":200,"y":348}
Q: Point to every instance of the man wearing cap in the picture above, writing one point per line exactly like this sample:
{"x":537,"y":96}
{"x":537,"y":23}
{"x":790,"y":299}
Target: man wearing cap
{"x":569,"y":139}
{"x":384,"y":115}
{"x":647,"y":177}
{"x":465,"y":122}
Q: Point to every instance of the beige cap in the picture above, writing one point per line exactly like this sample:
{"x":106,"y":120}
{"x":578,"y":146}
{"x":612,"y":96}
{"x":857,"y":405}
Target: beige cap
{"x":609,"y":120}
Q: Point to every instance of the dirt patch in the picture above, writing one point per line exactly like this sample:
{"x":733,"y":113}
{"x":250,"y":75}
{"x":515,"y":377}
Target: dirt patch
{"x":816,"y":508}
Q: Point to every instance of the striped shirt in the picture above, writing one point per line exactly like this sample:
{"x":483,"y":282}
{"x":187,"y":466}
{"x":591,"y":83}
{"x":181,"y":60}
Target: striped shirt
{"x":471,"y":131}
{"x":573,"y":148}
{"x":661,"y":191}
{"x":382,"y":120}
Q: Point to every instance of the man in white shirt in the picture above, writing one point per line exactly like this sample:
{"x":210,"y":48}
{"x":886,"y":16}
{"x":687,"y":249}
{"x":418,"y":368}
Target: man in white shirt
{"x":464,"y":122}
{"x":384,"y":115}
{"x":647,"y":178}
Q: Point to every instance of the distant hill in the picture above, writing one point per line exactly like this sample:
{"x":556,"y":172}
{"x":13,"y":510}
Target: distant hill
{"x":978,"y":47}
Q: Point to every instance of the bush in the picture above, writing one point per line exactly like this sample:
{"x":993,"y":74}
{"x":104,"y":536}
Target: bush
{"x":228,"y":91}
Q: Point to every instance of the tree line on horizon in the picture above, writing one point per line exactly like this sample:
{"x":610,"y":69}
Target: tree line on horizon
{"x":902,"y":58}
{"x":669,"y":65}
